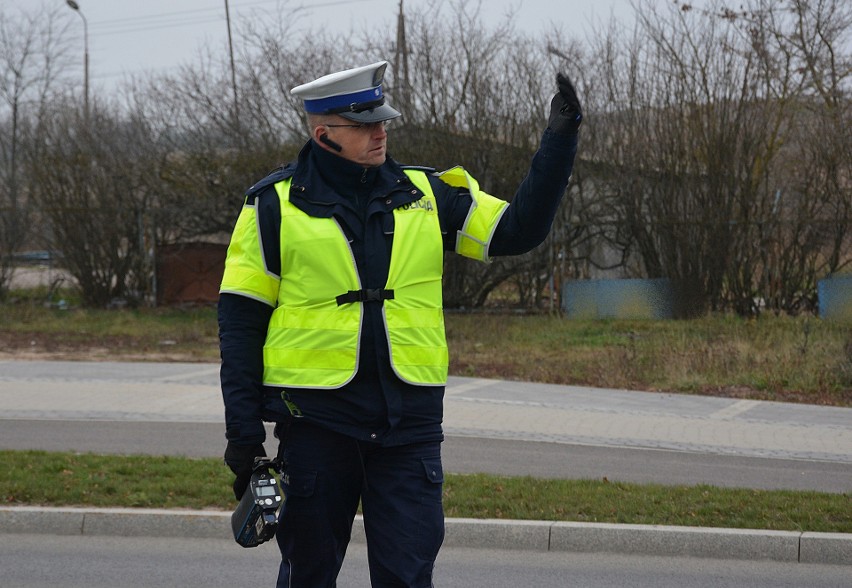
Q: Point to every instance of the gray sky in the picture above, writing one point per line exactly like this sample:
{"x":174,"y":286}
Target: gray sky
{"x":138,"y":36}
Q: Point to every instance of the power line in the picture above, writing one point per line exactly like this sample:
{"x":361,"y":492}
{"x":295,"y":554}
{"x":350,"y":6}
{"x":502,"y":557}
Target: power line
{"x":138,"y":19}
{"x":157,"y":26}
{"x":146,"y":23}
{"x":190,"y":17}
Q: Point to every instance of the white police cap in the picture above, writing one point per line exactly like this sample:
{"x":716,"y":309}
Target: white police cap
{"x":355,"y":94}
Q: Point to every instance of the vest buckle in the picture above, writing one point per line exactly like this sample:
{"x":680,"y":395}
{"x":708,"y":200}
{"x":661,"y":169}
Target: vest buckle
{"x":364,"y":295}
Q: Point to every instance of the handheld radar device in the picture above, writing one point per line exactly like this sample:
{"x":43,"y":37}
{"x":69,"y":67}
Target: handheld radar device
{"x":255,"y":519}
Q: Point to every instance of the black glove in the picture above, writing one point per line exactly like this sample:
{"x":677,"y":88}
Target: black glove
{"x":240,"y":458}
{"x":565,"y":111}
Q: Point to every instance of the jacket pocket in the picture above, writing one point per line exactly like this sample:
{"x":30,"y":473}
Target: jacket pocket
{"x":434,"y":469}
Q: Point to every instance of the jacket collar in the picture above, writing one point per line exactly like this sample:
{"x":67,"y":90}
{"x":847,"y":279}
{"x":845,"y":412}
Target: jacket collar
{"x":326,"y":176}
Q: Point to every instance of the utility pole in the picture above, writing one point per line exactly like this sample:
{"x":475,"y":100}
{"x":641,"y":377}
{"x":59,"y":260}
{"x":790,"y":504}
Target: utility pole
{"x":400,"y":65}
{"x":233,"y":69}
{"x":76,"y":8}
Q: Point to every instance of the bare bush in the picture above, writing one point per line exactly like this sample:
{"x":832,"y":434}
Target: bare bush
{"x":91,"y":181}
{"x":33,"y":53}
{"x":715,"y":149}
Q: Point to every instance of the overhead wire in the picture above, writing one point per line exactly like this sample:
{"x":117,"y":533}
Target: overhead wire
{"x":193,"y":17}
{"x":187,"y":18}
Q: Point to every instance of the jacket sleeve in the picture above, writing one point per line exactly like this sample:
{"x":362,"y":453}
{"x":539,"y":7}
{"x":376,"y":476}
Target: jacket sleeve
{"x":246,"y":301}
{"x":242,"y":331}
{"x":530,"y":215}
{"x":527,"y":220}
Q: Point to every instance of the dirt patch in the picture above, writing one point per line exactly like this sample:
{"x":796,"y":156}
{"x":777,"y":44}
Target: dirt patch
{"x":38,"y":346}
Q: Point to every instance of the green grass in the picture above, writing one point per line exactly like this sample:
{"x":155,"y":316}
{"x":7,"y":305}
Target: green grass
{"x":71,"y":479}
{"x":138,"y":334}
{"x":484,"y":496}
{"x":796,"y":359}
{"x":800,"y":359}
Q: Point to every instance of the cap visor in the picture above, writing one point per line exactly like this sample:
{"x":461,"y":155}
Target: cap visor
{"x":377,"y":114}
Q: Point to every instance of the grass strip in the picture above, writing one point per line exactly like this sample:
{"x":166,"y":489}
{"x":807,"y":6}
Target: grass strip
{"x":795,"y":359}
{"x":75,"y":479}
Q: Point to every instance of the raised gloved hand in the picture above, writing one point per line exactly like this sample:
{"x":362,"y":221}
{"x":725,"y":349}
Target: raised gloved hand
{"x":240,"y":458}
{"x":565,"y":111}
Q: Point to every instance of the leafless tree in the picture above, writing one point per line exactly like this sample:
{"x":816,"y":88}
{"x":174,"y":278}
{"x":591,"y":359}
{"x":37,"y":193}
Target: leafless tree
{"x":212,"y":159}
{"x":698,"y":108}
{"x":33,"y":52}
{"x":481,"y":101}
{"x":91,"y":180}
{"x":817,"y":38}
{"x":715,"y":149}
{"x":797,"y":228}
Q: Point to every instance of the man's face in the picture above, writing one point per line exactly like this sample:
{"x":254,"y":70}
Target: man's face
{"x":362,"y":143}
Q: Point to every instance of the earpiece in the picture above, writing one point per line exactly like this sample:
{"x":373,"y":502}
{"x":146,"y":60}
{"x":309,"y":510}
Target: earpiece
{"x":336,"y":146}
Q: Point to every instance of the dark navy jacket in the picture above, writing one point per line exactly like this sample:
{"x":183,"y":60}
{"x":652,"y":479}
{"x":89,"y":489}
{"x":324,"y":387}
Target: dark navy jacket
{"x":375,"y":405}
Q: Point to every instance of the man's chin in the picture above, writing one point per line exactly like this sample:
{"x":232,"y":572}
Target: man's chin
{"x":378,"y":158}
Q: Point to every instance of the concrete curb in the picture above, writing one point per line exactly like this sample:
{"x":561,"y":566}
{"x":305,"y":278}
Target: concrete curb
{"x":742,"y":544}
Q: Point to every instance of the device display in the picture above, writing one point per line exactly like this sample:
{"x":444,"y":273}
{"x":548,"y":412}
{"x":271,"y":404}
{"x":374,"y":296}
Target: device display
{"x":266,"y":490}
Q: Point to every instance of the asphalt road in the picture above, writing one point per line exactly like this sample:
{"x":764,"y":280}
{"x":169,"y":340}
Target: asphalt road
{"x":461,"y":455}
{"x":48,"y":561}
{"x":506,"y":428}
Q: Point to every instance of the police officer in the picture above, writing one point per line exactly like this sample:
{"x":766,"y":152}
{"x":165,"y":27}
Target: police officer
{"x":331,"y":324}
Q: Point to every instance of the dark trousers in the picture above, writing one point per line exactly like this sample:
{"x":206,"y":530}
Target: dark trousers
{"x":326,"y":476}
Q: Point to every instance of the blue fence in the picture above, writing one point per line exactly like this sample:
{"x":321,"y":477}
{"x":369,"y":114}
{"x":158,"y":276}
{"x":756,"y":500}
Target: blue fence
{"x":835,"y":298}
{"x":653,"y":299}
{"x":592,"y":299}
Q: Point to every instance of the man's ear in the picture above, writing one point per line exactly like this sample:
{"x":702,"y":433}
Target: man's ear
{"x":318,"y":131}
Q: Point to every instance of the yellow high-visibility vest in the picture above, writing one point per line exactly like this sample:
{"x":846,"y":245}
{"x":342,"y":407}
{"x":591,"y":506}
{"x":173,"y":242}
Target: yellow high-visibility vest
{"x":313,"y":335}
